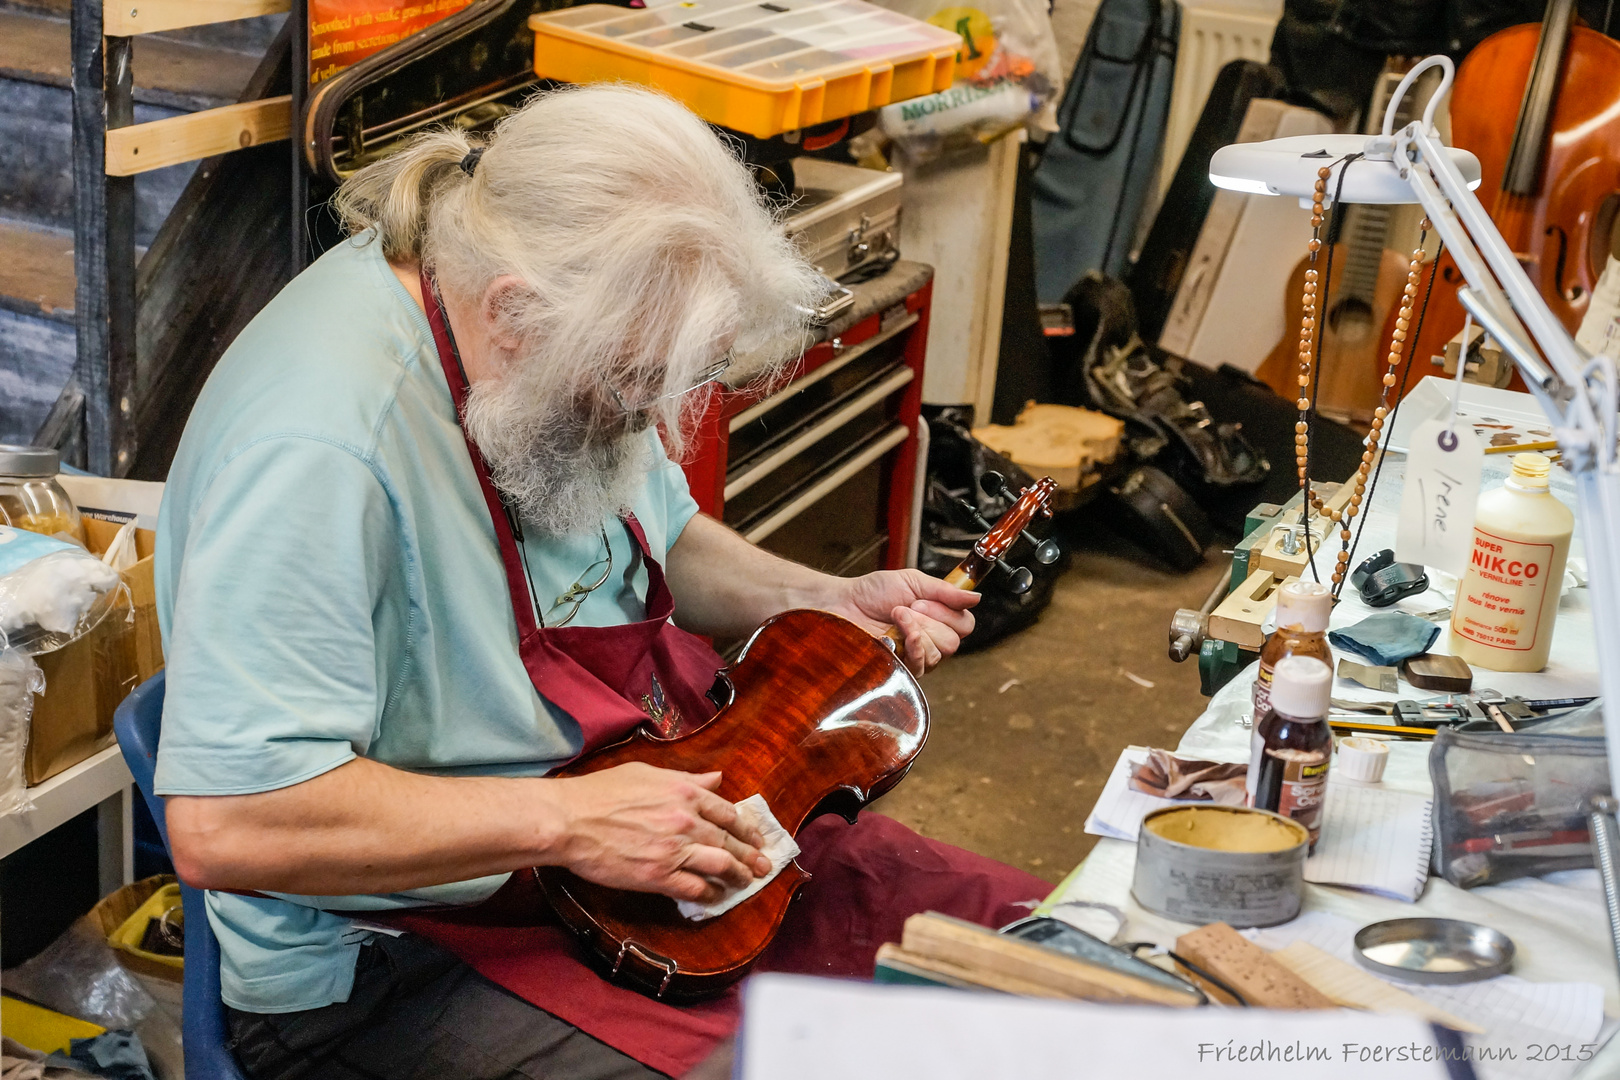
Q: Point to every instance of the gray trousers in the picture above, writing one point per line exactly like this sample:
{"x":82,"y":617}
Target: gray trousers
{"x":419,"y":1013}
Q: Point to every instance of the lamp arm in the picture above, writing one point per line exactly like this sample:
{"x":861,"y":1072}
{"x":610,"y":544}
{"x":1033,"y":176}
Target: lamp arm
{"x":1575,"y":391}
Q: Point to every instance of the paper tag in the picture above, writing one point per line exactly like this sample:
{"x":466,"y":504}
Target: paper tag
{"x":1441,"y":493}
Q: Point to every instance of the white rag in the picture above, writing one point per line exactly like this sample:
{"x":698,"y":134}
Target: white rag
{"x":779,"y":847}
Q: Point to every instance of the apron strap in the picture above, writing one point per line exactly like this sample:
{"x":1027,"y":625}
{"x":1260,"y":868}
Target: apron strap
{"x":517,"y":582}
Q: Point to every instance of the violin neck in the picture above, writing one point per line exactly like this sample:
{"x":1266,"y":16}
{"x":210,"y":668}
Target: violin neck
{"x":969,"y":572}
{"x":1523,"y":170}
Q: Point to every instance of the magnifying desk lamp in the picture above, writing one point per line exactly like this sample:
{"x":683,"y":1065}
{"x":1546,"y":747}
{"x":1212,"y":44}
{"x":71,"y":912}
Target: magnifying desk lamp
{"x":1579,"y":392}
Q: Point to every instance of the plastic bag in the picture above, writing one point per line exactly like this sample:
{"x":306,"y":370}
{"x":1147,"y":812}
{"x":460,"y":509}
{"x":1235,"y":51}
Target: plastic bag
{"x":20,"y":680}
{"x":51,"y":591}
{"x":1511,"y":806}
{"x":1007,"y":75}
{"x":79,"y":974}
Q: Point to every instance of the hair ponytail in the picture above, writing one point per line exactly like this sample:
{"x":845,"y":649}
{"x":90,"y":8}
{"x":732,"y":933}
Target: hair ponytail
{"x":395,"y":195}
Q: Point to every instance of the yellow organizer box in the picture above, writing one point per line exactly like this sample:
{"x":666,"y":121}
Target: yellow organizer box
{"x":760,"y":68}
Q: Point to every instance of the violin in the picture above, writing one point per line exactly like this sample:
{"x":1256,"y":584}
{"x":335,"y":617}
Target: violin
{"x":819,"y":717}
{"x":1550,"y":176}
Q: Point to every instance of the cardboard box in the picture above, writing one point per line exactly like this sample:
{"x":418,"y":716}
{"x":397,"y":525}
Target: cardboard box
{"x":85,"y":680}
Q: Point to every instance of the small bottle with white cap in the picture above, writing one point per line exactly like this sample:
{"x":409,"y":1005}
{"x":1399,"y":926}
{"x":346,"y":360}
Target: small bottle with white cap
{"x":1292,"y":745}
{"x":1303,"y":608}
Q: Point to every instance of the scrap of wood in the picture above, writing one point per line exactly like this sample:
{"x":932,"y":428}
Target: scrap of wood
{"x":1064,"y":442}
{"x":985,"y":954}
{"x":971,"y":977}
{"x":130,"y":17}
{"x":1249,"y":969}
{"x":1354,"y":988}
{"x":141,"y":148}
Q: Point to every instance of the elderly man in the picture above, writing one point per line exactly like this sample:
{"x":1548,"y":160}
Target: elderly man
{"x":412,"y":495}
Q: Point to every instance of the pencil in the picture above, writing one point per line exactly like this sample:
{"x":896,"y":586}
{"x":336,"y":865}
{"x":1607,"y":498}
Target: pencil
{"x":1523,"y":448}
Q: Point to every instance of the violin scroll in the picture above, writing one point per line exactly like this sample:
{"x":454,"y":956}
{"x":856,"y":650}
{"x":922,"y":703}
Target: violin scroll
{"x":992,"y":547}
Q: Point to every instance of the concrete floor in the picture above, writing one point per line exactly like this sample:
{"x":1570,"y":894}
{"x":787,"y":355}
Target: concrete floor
{"x":1025,"y":732}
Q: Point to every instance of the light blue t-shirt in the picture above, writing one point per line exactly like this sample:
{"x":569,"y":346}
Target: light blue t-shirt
{"x":328,"y":586}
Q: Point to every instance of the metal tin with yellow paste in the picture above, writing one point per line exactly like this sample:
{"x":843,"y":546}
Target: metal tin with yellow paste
{"x":1231,"y":864}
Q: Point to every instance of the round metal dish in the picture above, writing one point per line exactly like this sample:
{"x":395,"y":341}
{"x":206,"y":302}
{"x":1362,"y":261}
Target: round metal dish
{"x":1433,"y":950}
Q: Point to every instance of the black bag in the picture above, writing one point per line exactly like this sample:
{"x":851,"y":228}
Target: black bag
{"x":956,"y":464}
{"x":1106,"y":366}
{"x":1094,"y":177}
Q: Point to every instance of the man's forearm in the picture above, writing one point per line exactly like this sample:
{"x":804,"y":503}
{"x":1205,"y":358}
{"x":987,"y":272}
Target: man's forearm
{"x":724,"y":585}
{"x":363,"y":828}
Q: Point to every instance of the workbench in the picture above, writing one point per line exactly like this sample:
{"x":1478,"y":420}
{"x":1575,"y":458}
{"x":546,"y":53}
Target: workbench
{"x":1557,"y":921}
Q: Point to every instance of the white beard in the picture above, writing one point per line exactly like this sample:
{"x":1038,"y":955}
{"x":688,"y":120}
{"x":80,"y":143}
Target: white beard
{"x":562,"y":477}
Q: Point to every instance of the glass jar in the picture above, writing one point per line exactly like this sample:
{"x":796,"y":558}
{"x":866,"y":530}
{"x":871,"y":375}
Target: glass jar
{"x":30,"y":497}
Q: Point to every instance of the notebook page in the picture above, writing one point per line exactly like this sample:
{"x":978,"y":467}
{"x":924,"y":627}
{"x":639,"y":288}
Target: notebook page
{"x":1374,"y":839}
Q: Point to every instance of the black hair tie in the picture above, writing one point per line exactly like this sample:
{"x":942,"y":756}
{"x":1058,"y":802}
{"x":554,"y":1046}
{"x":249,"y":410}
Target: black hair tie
{"x":470,"y":162}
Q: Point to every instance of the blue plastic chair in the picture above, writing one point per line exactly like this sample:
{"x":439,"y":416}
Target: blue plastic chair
{"x":137,"y":723}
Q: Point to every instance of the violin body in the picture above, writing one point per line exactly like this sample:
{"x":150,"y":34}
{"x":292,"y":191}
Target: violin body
{"x":1560,"y":229}
{"x":822,"y":717}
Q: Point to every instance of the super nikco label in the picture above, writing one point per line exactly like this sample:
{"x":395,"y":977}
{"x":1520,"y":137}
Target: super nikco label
{"x":1504,"y":609}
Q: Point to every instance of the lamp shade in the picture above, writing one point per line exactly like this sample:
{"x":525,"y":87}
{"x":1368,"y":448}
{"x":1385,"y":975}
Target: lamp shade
{"x":1289,"y":166}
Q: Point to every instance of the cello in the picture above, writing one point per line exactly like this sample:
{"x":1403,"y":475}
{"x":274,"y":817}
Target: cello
{"x":821,"y":717}
{"x":1551,"y":179}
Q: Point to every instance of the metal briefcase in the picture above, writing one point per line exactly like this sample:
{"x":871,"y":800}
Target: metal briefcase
{"x":845,"y":217}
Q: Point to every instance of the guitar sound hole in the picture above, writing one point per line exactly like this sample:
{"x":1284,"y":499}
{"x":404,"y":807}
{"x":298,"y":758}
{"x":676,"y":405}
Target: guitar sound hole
{"x":1352,"y":320}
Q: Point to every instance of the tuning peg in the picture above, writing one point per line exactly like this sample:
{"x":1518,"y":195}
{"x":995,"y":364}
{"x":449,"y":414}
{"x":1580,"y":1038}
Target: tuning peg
{"x":1022,"y":579}
{"x":1046,"y":551}
{"x":993,"y":483}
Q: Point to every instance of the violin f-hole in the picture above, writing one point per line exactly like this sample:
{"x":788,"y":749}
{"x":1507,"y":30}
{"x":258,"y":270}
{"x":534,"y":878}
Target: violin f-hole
{"x":1574,"y":292}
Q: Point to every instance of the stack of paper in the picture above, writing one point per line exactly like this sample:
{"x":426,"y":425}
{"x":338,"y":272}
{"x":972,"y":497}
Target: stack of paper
{"x":1372,"y":838}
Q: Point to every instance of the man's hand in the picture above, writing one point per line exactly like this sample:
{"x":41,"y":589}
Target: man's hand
{"x":655,"y":830}
{"x":932,"y":617}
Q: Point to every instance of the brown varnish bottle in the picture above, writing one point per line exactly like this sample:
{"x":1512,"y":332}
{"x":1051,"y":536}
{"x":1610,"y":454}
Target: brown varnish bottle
{"x":1303,"y":608}
{"x":1292,"y":745}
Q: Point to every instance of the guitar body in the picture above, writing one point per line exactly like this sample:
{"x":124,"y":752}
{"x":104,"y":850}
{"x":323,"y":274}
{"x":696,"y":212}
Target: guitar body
{"x":822,"y":717}
{"x":1354,"y":340}
{"x":1560,"y":232}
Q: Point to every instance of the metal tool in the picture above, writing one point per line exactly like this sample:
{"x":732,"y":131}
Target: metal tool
{"x":1188,"y":628}
{"x":1438,"y":951}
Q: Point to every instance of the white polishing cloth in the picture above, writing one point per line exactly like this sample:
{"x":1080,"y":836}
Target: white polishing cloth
{"x":780,"y":848}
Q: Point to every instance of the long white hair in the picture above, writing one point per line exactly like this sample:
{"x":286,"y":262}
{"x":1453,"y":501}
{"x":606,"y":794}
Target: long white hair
{"x":645,"y":248}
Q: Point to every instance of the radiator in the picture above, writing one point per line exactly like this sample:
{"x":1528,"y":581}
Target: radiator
{"x":1212,"y":35}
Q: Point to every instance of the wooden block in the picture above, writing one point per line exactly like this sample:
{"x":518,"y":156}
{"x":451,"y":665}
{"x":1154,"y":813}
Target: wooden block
{"x":141,"y":148}
{"x":1324,"y":534}
{"x":1248,"y":969}
{"x":131,"y":17}
{"x":1438,"y":672}
{"x":1060,"y":441}
{"x":1353,"y":988}
{"x":1238,"y":618}
{"x":988,"y":955}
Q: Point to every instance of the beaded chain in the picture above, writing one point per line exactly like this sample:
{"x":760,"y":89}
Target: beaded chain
{"x":1307,"y":338}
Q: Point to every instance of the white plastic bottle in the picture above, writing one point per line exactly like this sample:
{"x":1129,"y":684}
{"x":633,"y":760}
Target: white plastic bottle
{"x":1502,"y":618}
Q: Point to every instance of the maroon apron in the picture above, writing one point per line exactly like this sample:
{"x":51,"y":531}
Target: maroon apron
{"x":865,"y":879}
